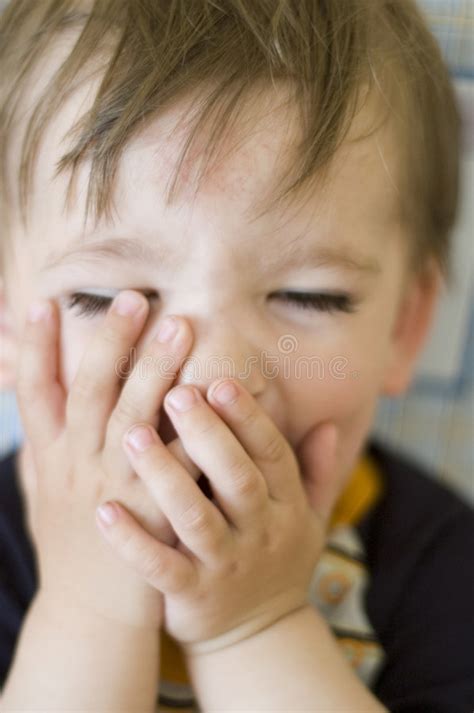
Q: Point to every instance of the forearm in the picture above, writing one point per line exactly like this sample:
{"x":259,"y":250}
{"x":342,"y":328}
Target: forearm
{"x":295,"y":664}
{"x":72,"y":661}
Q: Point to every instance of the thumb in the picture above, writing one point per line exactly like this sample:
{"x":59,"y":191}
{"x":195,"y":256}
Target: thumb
{"x":317,"y":459}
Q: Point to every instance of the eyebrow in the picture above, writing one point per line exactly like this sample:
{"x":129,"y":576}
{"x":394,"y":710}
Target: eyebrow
{"x":318,"y":255}
{"x":297,"y":255}
{"x":120,"y":248}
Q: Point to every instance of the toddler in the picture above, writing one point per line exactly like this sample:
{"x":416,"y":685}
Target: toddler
{"x":225,"y":226}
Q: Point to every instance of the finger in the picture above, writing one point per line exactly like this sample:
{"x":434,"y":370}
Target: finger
{"x":7,"y":358}
{"x":142,"y":394}
{"x":193,"y":517}
{"x":94,"y":390}
{"x":176,"y":449}
{"x":258,"y":434}
{"x":163,"y":567}
{"x":40,"y":396}
{"x":237,"y":484}
{"x":318,"y":457}
{"x":29,"y":485}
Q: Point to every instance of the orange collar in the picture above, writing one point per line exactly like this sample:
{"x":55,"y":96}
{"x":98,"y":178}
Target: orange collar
{"x":362,"y":490}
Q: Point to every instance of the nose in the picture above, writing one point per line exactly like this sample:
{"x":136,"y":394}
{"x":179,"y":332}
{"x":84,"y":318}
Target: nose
{"x":221,"y":350}
{"x":218,"y":351}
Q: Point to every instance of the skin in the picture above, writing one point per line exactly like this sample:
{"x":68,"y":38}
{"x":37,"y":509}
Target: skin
{"x":231,"y":582}
{"x":219,"y":287}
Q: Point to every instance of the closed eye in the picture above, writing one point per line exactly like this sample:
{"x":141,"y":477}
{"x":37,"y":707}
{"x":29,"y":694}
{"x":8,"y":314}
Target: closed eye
{"x":320,"y":301}
{"x":89,"y":305}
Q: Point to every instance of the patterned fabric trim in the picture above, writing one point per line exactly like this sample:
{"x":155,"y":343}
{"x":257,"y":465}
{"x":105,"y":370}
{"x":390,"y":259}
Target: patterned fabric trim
{"x":337,"y":590}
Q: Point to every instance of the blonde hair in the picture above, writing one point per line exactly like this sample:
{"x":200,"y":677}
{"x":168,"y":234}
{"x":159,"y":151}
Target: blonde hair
{"x":156,"y":51}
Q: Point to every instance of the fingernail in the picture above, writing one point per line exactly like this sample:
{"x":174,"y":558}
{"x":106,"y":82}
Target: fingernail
{"x":167,"y":329}
{"x":127,"y":303}
{"x":108,"y":513}
{"x":182,"y":398}
{"x":225,"y":393}
{"x":39,"y":310}
{"x":140,"y":437}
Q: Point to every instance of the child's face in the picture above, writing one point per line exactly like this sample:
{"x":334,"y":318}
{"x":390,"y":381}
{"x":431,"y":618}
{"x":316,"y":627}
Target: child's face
{"x":208,"y":262}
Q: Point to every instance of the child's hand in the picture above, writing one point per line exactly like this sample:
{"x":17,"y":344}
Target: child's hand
{"x":246,"y":558}
{"x":73,"y":444}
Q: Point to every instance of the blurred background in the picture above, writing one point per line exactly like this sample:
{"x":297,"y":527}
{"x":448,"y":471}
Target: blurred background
{"x":434,"y":422}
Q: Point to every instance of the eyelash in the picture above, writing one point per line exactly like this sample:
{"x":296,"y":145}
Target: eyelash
{"x":90,"y":305}
{"x":322,"y":301}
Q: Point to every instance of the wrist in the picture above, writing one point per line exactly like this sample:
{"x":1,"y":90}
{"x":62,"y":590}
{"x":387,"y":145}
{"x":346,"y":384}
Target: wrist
{"x":64,"y":612}
{"x":280,"y":608}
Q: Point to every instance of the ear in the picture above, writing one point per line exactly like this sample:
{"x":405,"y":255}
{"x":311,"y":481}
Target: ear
{"x":411,"y":327}
{"x":8,"y":342}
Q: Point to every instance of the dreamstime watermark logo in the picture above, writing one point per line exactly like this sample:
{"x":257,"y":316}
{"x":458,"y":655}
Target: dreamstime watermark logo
{"x":283,"y":362}
{"x":287,"y":344}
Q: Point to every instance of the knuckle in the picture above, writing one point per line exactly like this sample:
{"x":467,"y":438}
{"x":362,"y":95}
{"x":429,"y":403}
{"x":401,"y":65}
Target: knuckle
{"x":243,"y":479}
{"x":151,"y":565}
{"x":139,"y":555}
{"x":162,"y":462}
{"x":129,"y":547}
{"x":126,"y":411}
{"x":195,"y":520}
{"x":208,"y":427}
{"x":273,"y":450}
{"x":249,"y":419}
{"x":156,"y":468}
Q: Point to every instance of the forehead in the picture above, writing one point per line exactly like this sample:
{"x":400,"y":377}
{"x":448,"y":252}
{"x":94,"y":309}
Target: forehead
{"x":249,"y":165}
{"x":361,"y":187}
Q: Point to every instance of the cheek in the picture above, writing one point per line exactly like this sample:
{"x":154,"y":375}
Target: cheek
{"x":345,"y":391}
{"x":346,"y":396}
{"x":348,"y":403}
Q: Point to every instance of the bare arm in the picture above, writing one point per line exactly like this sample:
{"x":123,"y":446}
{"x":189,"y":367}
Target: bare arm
{"x":89,"y":642}
{"x":73,"y":660}
{"x":295,"y":664}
